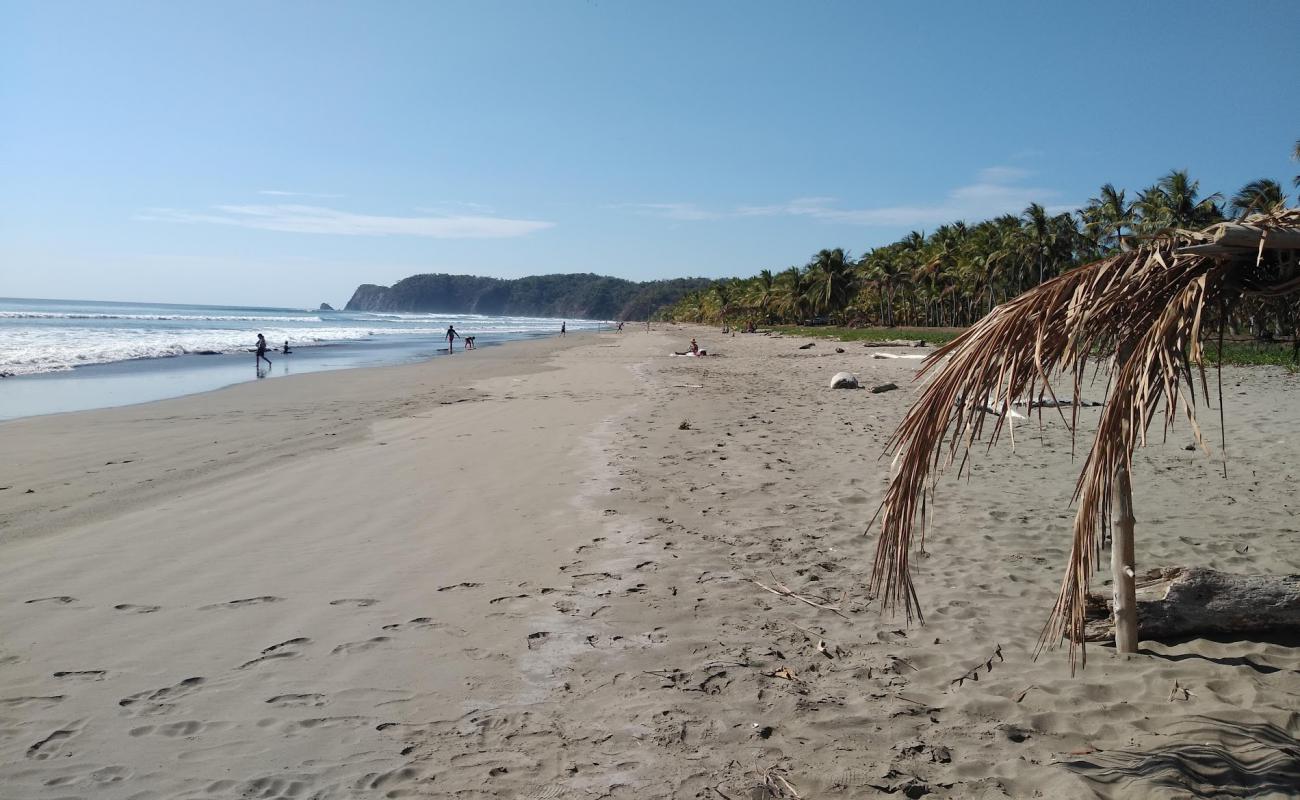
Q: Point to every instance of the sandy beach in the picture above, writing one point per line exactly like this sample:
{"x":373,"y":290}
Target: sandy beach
{"x":533,"y":571}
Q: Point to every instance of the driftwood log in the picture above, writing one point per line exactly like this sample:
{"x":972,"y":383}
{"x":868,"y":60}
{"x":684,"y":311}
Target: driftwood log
{"x":1187,"y":601}
{"x":896,"y":343}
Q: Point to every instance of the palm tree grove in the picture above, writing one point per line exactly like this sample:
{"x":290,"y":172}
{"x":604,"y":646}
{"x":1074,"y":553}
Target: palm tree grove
{"x":958,"y":272}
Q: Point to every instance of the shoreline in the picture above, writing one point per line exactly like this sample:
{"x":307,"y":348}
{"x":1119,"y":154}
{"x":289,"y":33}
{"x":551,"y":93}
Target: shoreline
{"x":146,"y":380}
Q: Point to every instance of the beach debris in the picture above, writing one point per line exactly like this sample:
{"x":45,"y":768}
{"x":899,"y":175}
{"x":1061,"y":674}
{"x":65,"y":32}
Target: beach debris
{"x":839,"y":349}
{"x":1173,"y":602}
{"x":783,"y":672}
{"x":1179,"y":689}
{"x":914,"y":748}
{"x":895,"y":343}
{"x":775,"y":784}
{"x":844,"y":380}
{"x":785,"y":591}
{"x":806,"y":346}
{"x":973,"y":674}
{"x":915,"y":357}
{"x":1052,"y":402}
{"x":884,"y":387}
{"x":684,"y":425}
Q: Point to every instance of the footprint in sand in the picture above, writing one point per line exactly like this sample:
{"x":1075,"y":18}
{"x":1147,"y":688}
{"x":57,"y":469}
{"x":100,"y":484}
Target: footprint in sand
{"x":109,"y":775}
{"x":174,"y":730}
{"x":461,"y":585}
{"x":281,"y":650}
{"x":134,"y":609}
{"x":511,"y":601}
{"x":296,"y":700}
{"x":62,"y":600}
{"x":20,"y":702}
{"x":82,"y":675}
{"x":375,"y":781}
{"x":50,"y":745}
{"x":359,"y":602}
{"x":247,"y":601}
{"x":275,"y":788}
{"x":150,"y":702}
{"x":426,"y":623}
{"x":359,"y":647}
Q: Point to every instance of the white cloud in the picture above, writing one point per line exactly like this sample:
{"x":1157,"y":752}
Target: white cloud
{"x":679,"y":211}
{"x":282,"y":193}
{"x":317,"y":219}
{"x":997,"y":190}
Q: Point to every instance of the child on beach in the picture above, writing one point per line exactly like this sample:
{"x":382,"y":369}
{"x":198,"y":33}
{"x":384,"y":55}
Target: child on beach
{"x":286,"y":349}
{"x":469,"y":342}
{"x":261,"y":352}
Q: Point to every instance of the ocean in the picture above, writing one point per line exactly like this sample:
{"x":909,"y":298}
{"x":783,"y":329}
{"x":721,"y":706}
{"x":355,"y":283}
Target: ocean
{"x":69,"y":355}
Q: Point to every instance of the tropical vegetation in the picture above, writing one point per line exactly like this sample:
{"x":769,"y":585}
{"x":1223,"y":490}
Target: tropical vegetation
{"x":956,"y":274}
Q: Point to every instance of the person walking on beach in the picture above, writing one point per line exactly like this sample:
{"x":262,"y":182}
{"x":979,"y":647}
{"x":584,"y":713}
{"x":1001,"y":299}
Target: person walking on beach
{"x":561,"y":328}
{"x":261,"y":352}
{"x":451,"y":337}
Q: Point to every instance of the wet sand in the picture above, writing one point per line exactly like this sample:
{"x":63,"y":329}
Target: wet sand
{"x":515,"y":573}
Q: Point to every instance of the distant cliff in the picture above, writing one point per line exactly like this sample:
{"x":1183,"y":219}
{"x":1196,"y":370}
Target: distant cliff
{"x":580,"y":296}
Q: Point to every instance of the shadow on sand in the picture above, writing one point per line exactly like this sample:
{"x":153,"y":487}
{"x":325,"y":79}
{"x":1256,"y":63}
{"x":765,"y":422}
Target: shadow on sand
{"x":1216,"y":758}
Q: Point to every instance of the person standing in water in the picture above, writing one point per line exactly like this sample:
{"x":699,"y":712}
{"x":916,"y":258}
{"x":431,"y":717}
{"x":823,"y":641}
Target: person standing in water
{"x":561,"y":328}
{"x":451,"y":337}
{"x":261,"y":352}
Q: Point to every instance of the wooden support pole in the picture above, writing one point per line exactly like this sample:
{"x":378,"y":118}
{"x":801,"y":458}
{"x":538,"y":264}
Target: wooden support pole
{"x":1123,"y":573}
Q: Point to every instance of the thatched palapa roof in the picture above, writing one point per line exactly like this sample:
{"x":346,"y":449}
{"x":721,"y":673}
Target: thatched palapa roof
{"x":1147,"y":313}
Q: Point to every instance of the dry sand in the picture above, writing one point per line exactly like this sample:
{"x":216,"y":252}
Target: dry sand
{"x":514,"y":573}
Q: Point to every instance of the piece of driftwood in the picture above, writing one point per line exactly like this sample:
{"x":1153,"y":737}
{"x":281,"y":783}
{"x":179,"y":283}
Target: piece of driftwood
{"x":896,"y":343}
{"x":1186,"y":601}
{"x":1238,"y":234}
{"x":1235,"y":239}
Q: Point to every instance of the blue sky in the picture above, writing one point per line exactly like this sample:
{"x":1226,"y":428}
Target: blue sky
{"x":281,"y":153}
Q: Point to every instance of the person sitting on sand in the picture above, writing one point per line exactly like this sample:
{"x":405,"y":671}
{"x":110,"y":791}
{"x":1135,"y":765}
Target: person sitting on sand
{"x":695,"y":348}
{"x":469,"y":342}
{"x":286,"y":349}
{"x":261,"y":351}
{"x":451,"y":337}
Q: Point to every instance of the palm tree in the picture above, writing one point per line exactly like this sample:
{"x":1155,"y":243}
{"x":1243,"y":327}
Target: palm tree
{"x":1263,"y":195}
{"x":792,"y":294}
{"x":720,"y":301}
{"x":1110,"y":214}
{"x":1037,"y":232}
{"x":762,"y":293}
{"x":1174,"y":202}
{"x":1295,"y":155}
{"x":830,"y":281}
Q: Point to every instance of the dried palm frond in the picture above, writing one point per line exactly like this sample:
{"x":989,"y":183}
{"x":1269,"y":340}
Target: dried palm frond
{"x":1144,"y":314}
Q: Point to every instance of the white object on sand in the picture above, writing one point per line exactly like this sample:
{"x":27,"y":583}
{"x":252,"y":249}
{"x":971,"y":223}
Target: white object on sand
{"x":844,"y":380}
{"x":892,"y":355}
